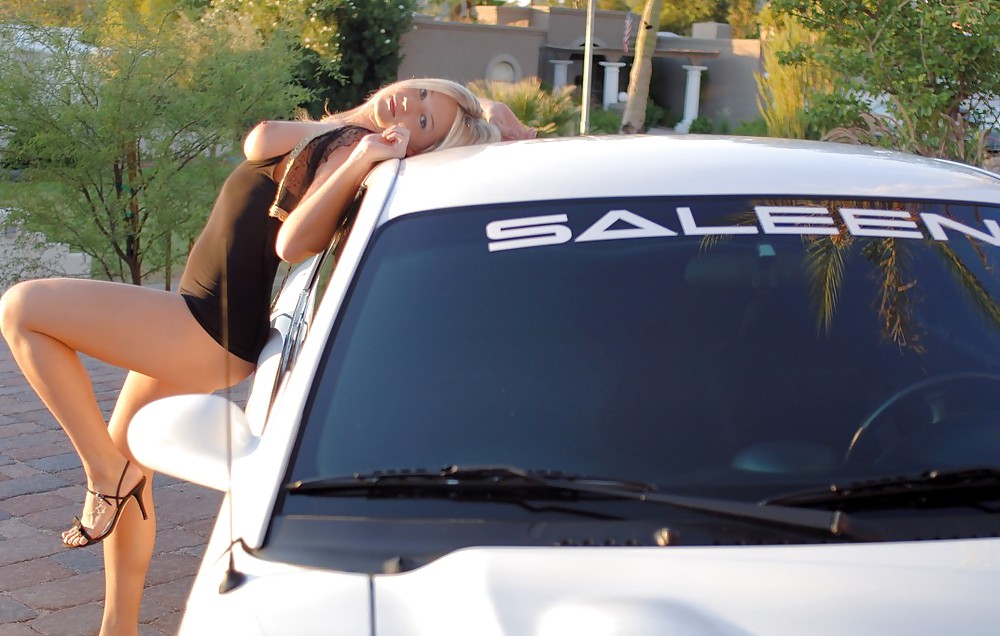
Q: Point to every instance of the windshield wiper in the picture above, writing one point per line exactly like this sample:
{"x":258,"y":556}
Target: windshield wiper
{"x":934,"y":488}
{"x":488,"y":481}
{"x":465,"y":480}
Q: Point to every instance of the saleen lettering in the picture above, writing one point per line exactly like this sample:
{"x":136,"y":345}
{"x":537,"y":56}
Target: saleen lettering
{"x":536,"y":231}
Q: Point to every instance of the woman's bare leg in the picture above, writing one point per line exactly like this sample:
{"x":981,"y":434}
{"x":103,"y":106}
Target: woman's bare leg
{"x":46,"y":322}
{"x":128,"y":551}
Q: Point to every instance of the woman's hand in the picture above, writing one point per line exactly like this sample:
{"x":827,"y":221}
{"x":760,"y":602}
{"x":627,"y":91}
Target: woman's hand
{"x":310,"y":226}
{"x":501,"y":116}
{"x":391,"y":143}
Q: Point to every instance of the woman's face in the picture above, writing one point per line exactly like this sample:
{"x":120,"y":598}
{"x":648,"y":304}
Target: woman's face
{"x":427,"y":114}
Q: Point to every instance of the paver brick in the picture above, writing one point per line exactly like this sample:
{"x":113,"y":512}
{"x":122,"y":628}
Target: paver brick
{"x":28,"y":573}
{"x":18,"y":468}
{"x":15,"y":407}
{"x":202,"y":527}
{"x":14,"y":428}
{"x":62,"y":593}
{"x":79,"y":620}
{"x":27,"y":504}
{"x":73,"y":476}
{"x":72,"y":492}
{"x":15,"y":528}
{"x":28,"y":548}
{"x":13,"y":612}
{"x":196,"y":551}
{"x":168,"y":624}
{"x":172,"y":595}
{"x":173,"y":539}
{"x":152,"y":611}
{"x":43,"y":436}
{"x":41,"y":452}
{"x":80,"y":561}
{"x":41,"y":482}
{"x":56,"y":462}
{"x":18,"y":629}
{"x":182,"y":508}
{"x":55,"y":519}
{"x":170,"y":567}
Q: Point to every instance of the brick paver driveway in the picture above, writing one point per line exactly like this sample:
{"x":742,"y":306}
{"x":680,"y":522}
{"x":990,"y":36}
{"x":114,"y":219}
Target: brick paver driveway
{"x":45,"y":588}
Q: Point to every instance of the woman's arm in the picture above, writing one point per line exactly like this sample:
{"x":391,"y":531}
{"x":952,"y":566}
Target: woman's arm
{"x":274,"y":138}
{"x":500,"y":115}
{"x":309,"y":228}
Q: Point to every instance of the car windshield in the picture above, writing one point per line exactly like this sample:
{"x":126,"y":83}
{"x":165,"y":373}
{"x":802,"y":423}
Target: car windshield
{"x":720,"y":347}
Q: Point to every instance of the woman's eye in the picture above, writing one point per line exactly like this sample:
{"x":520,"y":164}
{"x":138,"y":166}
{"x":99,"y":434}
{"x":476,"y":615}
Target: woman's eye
{"x":423,"y":93}
{"x":423,"y":121}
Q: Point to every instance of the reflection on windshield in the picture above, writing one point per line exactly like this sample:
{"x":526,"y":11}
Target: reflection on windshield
{"x":887,"y":252}
{"x":718,"y":347}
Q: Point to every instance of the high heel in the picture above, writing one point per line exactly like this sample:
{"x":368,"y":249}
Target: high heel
{"x":103,"y":500}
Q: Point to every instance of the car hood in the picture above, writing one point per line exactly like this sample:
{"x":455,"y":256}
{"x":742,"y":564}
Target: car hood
{"x":931,"y":587}
{"x":904,"y":588}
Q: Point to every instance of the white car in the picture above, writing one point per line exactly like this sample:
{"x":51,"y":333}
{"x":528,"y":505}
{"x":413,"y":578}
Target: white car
{"x":625,"y":385}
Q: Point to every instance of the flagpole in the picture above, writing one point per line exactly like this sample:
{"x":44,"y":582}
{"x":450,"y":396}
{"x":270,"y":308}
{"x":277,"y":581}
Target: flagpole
{"x":588,"y":61}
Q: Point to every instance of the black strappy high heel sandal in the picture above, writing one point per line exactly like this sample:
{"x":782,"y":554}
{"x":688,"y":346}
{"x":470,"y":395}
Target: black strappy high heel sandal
{"x":103,"y":500}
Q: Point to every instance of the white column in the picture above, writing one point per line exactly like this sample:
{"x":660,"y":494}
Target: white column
{"x":560,"y":73}
{"x":611,"y":82}
{"x":692,"y":97}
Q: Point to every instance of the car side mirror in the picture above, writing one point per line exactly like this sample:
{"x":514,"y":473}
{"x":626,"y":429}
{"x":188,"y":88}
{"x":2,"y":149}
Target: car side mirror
{"x":185,"y":436}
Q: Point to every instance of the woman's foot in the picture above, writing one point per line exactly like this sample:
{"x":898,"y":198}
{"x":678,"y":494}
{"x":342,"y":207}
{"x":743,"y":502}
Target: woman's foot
{"x":103,"y":506}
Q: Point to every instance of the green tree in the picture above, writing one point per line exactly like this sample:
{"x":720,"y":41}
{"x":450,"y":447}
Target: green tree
{"x":615,"y":5}
{"x":349,"y":48}
{"x":677,"y":16}
{"x":783,"y":89}
{"x":742,"y":16}
{"x":923,"y":72}
{"x":50,"y":12}
{"x":126,"y":140}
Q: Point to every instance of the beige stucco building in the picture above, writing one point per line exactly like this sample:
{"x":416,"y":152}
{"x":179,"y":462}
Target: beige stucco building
{"x":708,"y":74}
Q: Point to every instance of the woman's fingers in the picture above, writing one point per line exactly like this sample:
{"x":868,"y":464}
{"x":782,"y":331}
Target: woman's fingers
{"x":398,"y":137}
{"x":500,"y":115}
{"x":396,"y":134}
{"x":391,"y":143}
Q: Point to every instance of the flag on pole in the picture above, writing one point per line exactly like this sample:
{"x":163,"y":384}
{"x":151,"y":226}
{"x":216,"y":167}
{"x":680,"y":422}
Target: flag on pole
{"x":628,"y":31}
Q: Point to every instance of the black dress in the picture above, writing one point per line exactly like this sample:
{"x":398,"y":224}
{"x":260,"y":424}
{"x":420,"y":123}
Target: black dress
{"x":231,"y":268}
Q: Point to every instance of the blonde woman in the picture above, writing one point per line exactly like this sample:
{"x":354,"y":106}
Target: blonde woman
{"x":282,"y":203}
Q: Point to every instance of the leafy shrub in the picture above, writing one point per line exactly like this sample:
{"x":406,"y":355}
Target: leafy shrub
{"x":702,"y":125}
{"x":670,"y":119}
{"x":752,"y":127}
{"x":655,"y":115}
{"x":605,"y":121}
{"x":552,"y":114}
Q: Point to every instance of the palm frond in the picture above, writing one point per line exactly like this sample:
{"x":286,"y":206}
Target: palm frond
{"x":826,"y":258}
{"x":970,"y":284}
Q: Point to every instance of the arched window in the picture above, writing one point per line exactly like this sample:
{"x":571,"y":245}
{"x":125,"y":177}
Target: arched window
{"x":503,"y":68}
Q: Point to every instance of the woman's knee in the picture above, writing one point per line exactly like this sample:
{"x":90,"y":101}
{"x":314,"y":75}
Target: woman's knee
{"x":14,"y":306}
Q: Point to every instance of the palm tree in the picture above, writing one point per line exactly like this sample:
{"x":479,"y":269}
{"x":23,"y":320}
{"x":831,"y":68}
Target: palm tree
{"x":642,"y":67}
{"x":826,"y":259}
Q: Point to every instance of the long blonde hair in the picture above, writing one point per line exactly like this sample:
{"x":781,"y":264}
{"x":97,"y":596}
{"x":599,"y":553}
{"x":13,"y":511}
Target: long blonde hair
{"x":469,"y":128}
